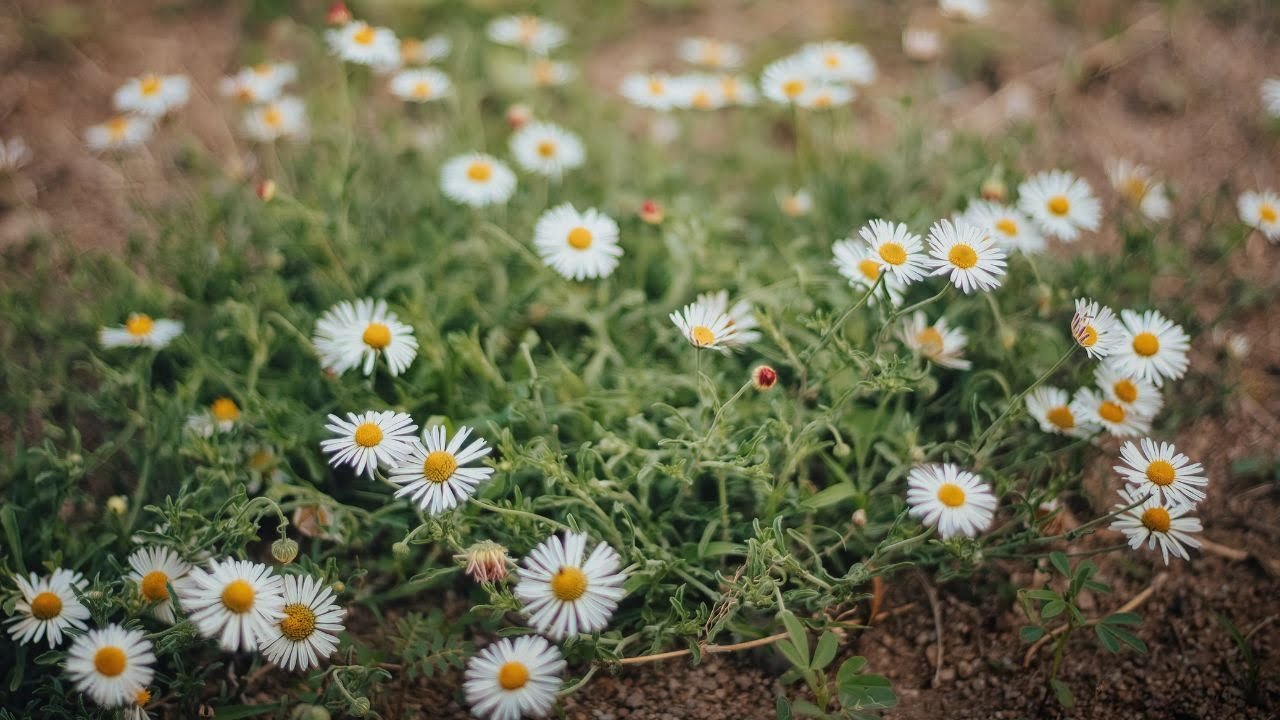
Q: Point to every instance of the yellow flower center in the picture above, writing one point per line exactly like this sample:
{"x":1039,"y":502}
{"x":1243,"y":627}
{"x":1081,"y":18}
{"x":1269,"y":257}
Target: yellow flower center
{"x":238,"y":596}
{"x":368,"y":435}
{"x":421,"y":89}
{"x":139,"y":325}
{"x":1146,"y":344}
{"x":110,"y":660}
{"x":117,"y":126}
{"x":1267,"y":213}
{"x":363,"y":36}
{"x":930,"y":341}
{"x":1059,"y":205}
{"x":1061,"y":417}
{"x":438,"y":466}
{"x":46,"y":606}
{"x":702,"y":335}
{"x":528,"y":28}
{"x":1161,"y":472}
{"x":1125,"y":390}
{"x":410,"y":48}
{"x":150,"y":85}
{"x":154,"y":586}
{"x":963,"y":257}
{"x":546,"y":149}
{"x":224,"y":410}
{"x":1156,"y":519}
{"x":480,"y":171}
{"x":544,"y":72}
{"x":580,"y":238}
{"x":298,"y":623}
{"x":272,"y":117}
{"x":1088,"y":336}
{"x":729,"y":86}
{"x":513,"y":675}
{"x":1007,"y":226}
{"x":711,"y":53}
{"x":569,"y":584}
{"x":869,"y":268}
{"x":657,"y":87}
{"x":142,"y":697}
{"x":792,"y":88}
{"x":1111,"y":412}
{"x":1134,"y":189}
{"x":702,"y":100}
{"x":831,"y":60}
{"x":893,"y":253}
{"x":822,"y":101}
{"x":376,"y":335}
{"x":951,"y":495}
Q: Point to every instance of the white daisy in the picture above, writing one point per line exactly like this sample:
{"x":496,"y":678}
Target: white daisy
{"x":840,"y":62}
{"x":1095,"y":329}
{"x":1151,"y":347}
{"x":710,"y":53}
{"x":1132,"y":392}
{"x":1008,"y":226}
{"x":156,"y":570}
{"x":434,"y":474}
{"x":1261,"y":210}
{"x":741,"y":321}
{"x":370,"y":439}
{"x":738,"y":90}
{"x":955,"y":501}
{"x":938,"y":343}
{"x":862,"y":266}
{"x":700,"y":91}
{"x":308,"y":632}
{"x":477,"y":180}
{"x":706,"y":325}
{"x":1139,"y":188}
{"x":657,"y":91}
{"x":236,"y":602}
{"x":514,"y":678}
{"x":48,"y":607}
{"x":424,"y":52}
{"x":351,"y":335}
{"x":221,"y":416}
{"x":794,"y":204}
{"x":140,"y":330}
{"x":544,"y":73}
{"x":564,"y":596}
{"x":1160,"y":470}
{"x":547,"y":149}
{"x":119,"y":133}
{"x":283,"y":118}
{"x":1271,"y":96}
{"x":578,"y":245}
{"x":260,"y":83}
{"x":967,"y":254}
{"x":1061,"y":203}
{"x":785,"y":81}
{"x":1114,"y":417}
{"x":825,"y":96}
{"x":137,"y":708}
{"x":111,"y":665}
{"x":529,"y":32}
{"x":1155,"y":523}
{"x":14,"y":154}
{"x":969,"y":10}
{"x":152,"y":95}
{"x":900,"y":249}
{"x":360,"y":43}
{"x":1051,"y":407}
{"x":420,"y":85}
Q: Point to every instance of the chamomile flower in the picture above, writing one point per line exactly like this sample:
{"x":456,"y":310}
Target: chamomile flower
{"x":221,"y":416}
{"x":111,"y":665}
{"x":1139,"y":188}
{"x":152,"y":95}
{"x":710,"y":53}
{"x":544,"y":73}
{"x":955,"y":501}
{"x":420,"y":85}
{"x":1154,"y":523}
{"x":137,"y":709}
{"x":900,"y":249}
{"x":351,"y":335}
{"x":236,"y":602}
{"x":1160,"y":470}
{"x":123,"y":132}
{"x":562,"y":594}
{"x":514,"y":678}
{"x":970,"y":10}
{"x":579,"y":245}
{"x":967,"y":254}
{"x":370,"y":439}
{"x":1114,"y":417}
{"x":308,"y":631}
{"x":1008,"y":226}
{"x":529,"y":32}
{"x":1095,"y":329}
{"x":738,"y":90}
{"x":547,"y":149}
{"x":1051,"y":407}
{"x":938,"y":343}
{"x":140,"y":330}
{"x":282,"y":118}
{"x":477,"y":180}
{"x":48,"y":607}
{"x":1061,"y":203}
{"x":705,"y":325}
{"x":1130,"y":391}
{"x":657,"y":91}
{"x":1271,"y":96}
{"x":741,"y":320}
{"x":435,"y":474}
{"x":795,"y":204}
{"x":260,"y":83}
{"x":785,"y":81}
{"x":363,"y":44}
{"x":424,"y":52}
{"x":1261,"y":210}
{"x":825,"y":96}
{"x":1151,"y":347}
{"x":840,"y":62}
{"x":699,"y":91}
{"x":862,"y":267}
{"x":155,"y":570}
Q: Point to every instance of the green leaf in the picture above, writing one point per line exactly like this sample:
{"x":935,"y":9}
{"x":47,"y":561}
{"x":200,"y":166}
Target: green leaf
{"x":1044,"y":595}
{"x":825,"y":651}
{"x":808,"y":709}
{"x":793,"y":654}
{"x":1060,"y":562}
{"x":1031,"y":633}
{"x":863,"y":692}
{"x":1052,"y":609}
{"x":1106,"y":638}
{"x":829,"y":496}
{"x":783,"y":708}
{"x":1129,"y":639}
{"x":1062,"y":693}
{"x":1122,"y":619}
{"x":799,"y":635}
{"x":853,"y":665}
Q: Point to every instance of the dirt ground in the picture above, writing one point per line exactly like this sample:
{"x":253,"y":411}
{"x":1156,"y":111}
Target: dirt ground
{"x":1176,"y":90}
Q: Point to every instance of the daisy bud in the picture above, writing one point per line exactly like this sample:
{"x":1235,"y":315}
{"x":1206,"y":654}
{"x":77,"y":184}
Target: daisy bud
{"x":1008,"y":338}
{"x":841,"y":450}
{"x":859,"y":518}
{"x":994,"y":190}
{"x":310,"y":712}
{"x":338,"y":587}
{"x":118,"y":504}
{"x":266,"y":190}
{"x":651,"y":212}
{"x":518,"y":116}
{"x":284,"y":550}
{"x":764,"y":377}
{"x":359,"y":707}
{"x":486,"y":560}
{"x":338,"y":14}
{"x":400,"y":550}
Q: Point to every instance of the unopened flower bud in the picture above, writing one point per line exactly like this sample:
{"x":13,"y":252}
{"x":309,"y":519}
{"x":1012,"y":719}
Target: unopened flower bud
{"x":994,"y":190}
{"x":266,"y":190}
{"x":651,"y":212}
{"x":841,"y":450}
{"x":359,"y":707}
{"x":117,"y":504}
{"x":400,"y":550}
{"x":764,"y":377}
{"x":486,"y":560}
{"x":310,"y":712}
{"x":859,"y":518}
{"x":284,"y":550}
{"x":338,"y":14}
{"x":338,"y":587}
{"x":518,"y":115}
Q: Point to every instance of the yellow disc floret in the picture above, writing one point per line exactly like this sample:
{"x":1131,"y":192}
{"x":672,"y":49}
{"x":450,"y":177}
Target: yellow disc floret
{"x":368,"y":435}
{"x":46,"y":606}
{"x":438,"y":466}
{"x":110,"y":660}
{"x":513,"y":675}
{"x":154,"y":586}
{"x":298,"y":623}
{"x":238,"y":596}
{"x":951,"y":495}
{"x":569,"y":584}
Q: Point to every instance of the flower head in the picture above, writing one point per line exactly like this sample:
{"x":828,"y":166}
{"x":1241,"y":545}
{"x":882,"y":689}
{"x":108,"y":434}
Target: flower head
{"x":528,"y":32}
{"x":435,"y":473}
{"x":152,"y":95}
{"x":785,"y":81}
{"x":651,"y":212}
{"x":13,"y":154}
{"x":764,"y":377}
{"x":1139,"y":189}
{"x":938,"y":342}
{"x":258,"y":84}
{"x":486,"y":561}
{"x":111,"y":665}
{"x":1114,"y":417}
{"x":967,"y":254}
{"x":221,"y":416}
{"x":1061,"y":203}
{"x":1094,"y":328}
{"x":1153,"y":522}
{"x":900,"y":250}
{"x":1129,"y":391}
{"x":656,"y":91}
{"x":284,"y":118}
{"x":1151,"y":347}
{"x":1159,"y":469}
{"x":547,"y":149}
{"x":562,"y":594}
{"x":839,"y":62}
{"x":709,"y":322}
{"x":308,"y":631}
{"x":1270,"y":92}
{"x":420,"y":85}
{"x":122,"y":132}
{"x":710,"y":53}
{"x":48,"y":607}
{"x":514,"y":678}
{"x":236,"y":602}
{"x":795,"y":204}
{"x":370,"y":440}
{"x":363,"y":44}
{"x":1051,"y":407}
{"x":424,"y":52}
{"x":1008,"y":226}
{"x":579,"y":245}
{"x":969,"y":10}
{"x":140,"y":330}
{"x":955,"y":501}
{"x":351,"y":335}
{"x":1261,"y":210}
{"x":477,"y":179}
{"x":159,"y":571}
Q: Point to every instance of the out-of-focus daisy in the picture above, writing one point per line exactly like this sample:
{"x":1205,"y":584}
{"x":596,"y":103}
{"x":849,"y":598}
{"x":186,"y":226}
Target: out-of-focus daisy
{"x":137,"y":709}
{"x":1008,"y":226}
{"x":486,"y":561}
{"x":155,"y":570}
{"x":657,"y":91}
{"x":840,"y":62}
{"x":1061,"y":203}
{"x":706,"y":324}
{"x":1154,"y":523}
{"x":700,"y":91}
{"x":739,"y":314}
{"x":578,"y":245}
{"x":1132,"y":392}
{"x":236,"y":602}
{"x":363,"y":44}
{"x":543,"y":73}
{"x":785,"y":81}
{"x":1151,"y":347}
{"x":420,"y":85}
{"x":351,"y":335}
{"x":1051,"y":407}
{"x":562,"y":594}
{"x":477,"y":180}
{"x":1095,"y":329}
{"x":308,"y":632}
{"x":283,"y":118}
{"x":1271,"y":96}
{"x":48,"y":607}
{"x":1139,"y":188}
{"x":435,"y":475}
{"x":710,"y":53}
{"x":955,"y":501}
{"x":1114,"y":417}
{"x":547,"y":149}
{"x":967,"y":254}
{"x":14,"y":154}
{"x":738,"y":90}
{"x":862,"y":267}
{"x":938,"y":343}
{"x":1160,"y":470}
{"x":970,"y":10}
{"x":140,"y":330}
{"x":221,"y":416}
{"x":123,"y":132}
{"x":922,"y":44}
{"x":111,"y":665}
{"x":514,"y":678}
{"x":1261,"y":210}
{"x":424,"y":52}
{"x":152,"y":95}
{"x":825,"y":97}
{"x":532,"y":33}
{"x":900,"y":249}
{"x":795,"y":204}
{"x":370,"y":439}
{"x":260,"y":83}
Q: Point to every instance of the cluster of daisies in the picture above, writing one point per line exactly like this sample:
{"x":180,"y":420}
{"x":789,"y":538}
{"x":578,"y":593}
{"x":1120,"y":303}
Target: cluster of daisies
{"x":270,"y":113}
{"x":140,"y":103}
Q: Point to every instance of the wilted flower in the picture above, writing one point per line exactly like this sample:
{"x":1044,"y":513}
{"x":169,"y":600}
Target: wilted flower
{"x":487,"y":561}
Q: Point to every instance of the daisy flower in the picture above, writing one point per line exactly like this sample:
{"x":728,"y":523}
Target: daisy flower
{"x":420,"y":85}
{"x":1133,"y":393}
{"x":967,"y":254}
{"x":1095,"y":329}
{"x":1061,"y":203}
{"x":899,"y":249}
{"x":862,"y":267}
{"x":487,"y":561}
{"x":140,"y":330}
{"x":738,"y":90}
{"x":840,"y":62}
{"x":424,"y":52}
{"x":922,"y":44}
{"x":155,"y":570}
{"x":795,"y":204}
{"x":236,"y":602}
{"x":221,"y":416}
{"x":360,"y":43}
{"x":111,"y":665}
{"x":1155,"y":523}
{"x":699,"y":91}
{"x":542,"y":72}
{"x":260,"y":83}
{"x":529,"y":32}
{"x":283,"y":118}
{"x":657,"y":91}
{"x":477,"y":180}
{"x":48,"y":607}
{"x":705,"y":325}
{"x":1151,"y":347}
{"x":741,"y":320}
{"x":1114,"y":417}
{"x":13,"y":154}
{"x":564,"y":596}
{"x":123,"y":132}
{"x":1261,"y":210}
{"x":351,"y":335}
{"x":152,"y":95}
{"x":371,"y":439}
{"x":547,"y":149}
{"x":955,"y":501}
{"x":578,"y":245}
{"x":1051,"y":407}
{"x":709,"y":53}
{"x":825,"y":96}
{"x":1271,"y":96}
{"x":435,"y":475}
{"x":1160,"y":470}
{"x":969,"y":10}
{"x":514,"y":678}
{"x":137,"y":710}
{"x":308,"y":632}
{"x":1139,"y":188}
{"x":937,"y":343}
{"x":785,"y":81}
{"x":1008,"y":226}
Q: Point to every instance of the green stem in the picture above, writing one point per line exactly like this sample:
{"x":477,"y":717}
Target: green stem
{"x":826,"y":334}
{"x":521,"y":513}
{"x":1016,"y":403}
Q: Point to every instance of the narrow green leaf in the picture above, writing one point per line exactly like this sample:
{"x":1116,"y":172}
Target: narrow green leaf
{"x":10,"y":523}
{"x":1122,"y":619}
{"x":1130,"y":639}
{"x":783,"y":708}
{"x":1063,"y":693}
{"x":1106,"y":638}
{"x":799,"y":635}
{"x":793,"y":654}
{"x":1031,"y":633}
{"x":829,"y":496}
{"x":1052,"y":609}
{"x":1060,"y":562}
{"x":825,"y":651}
